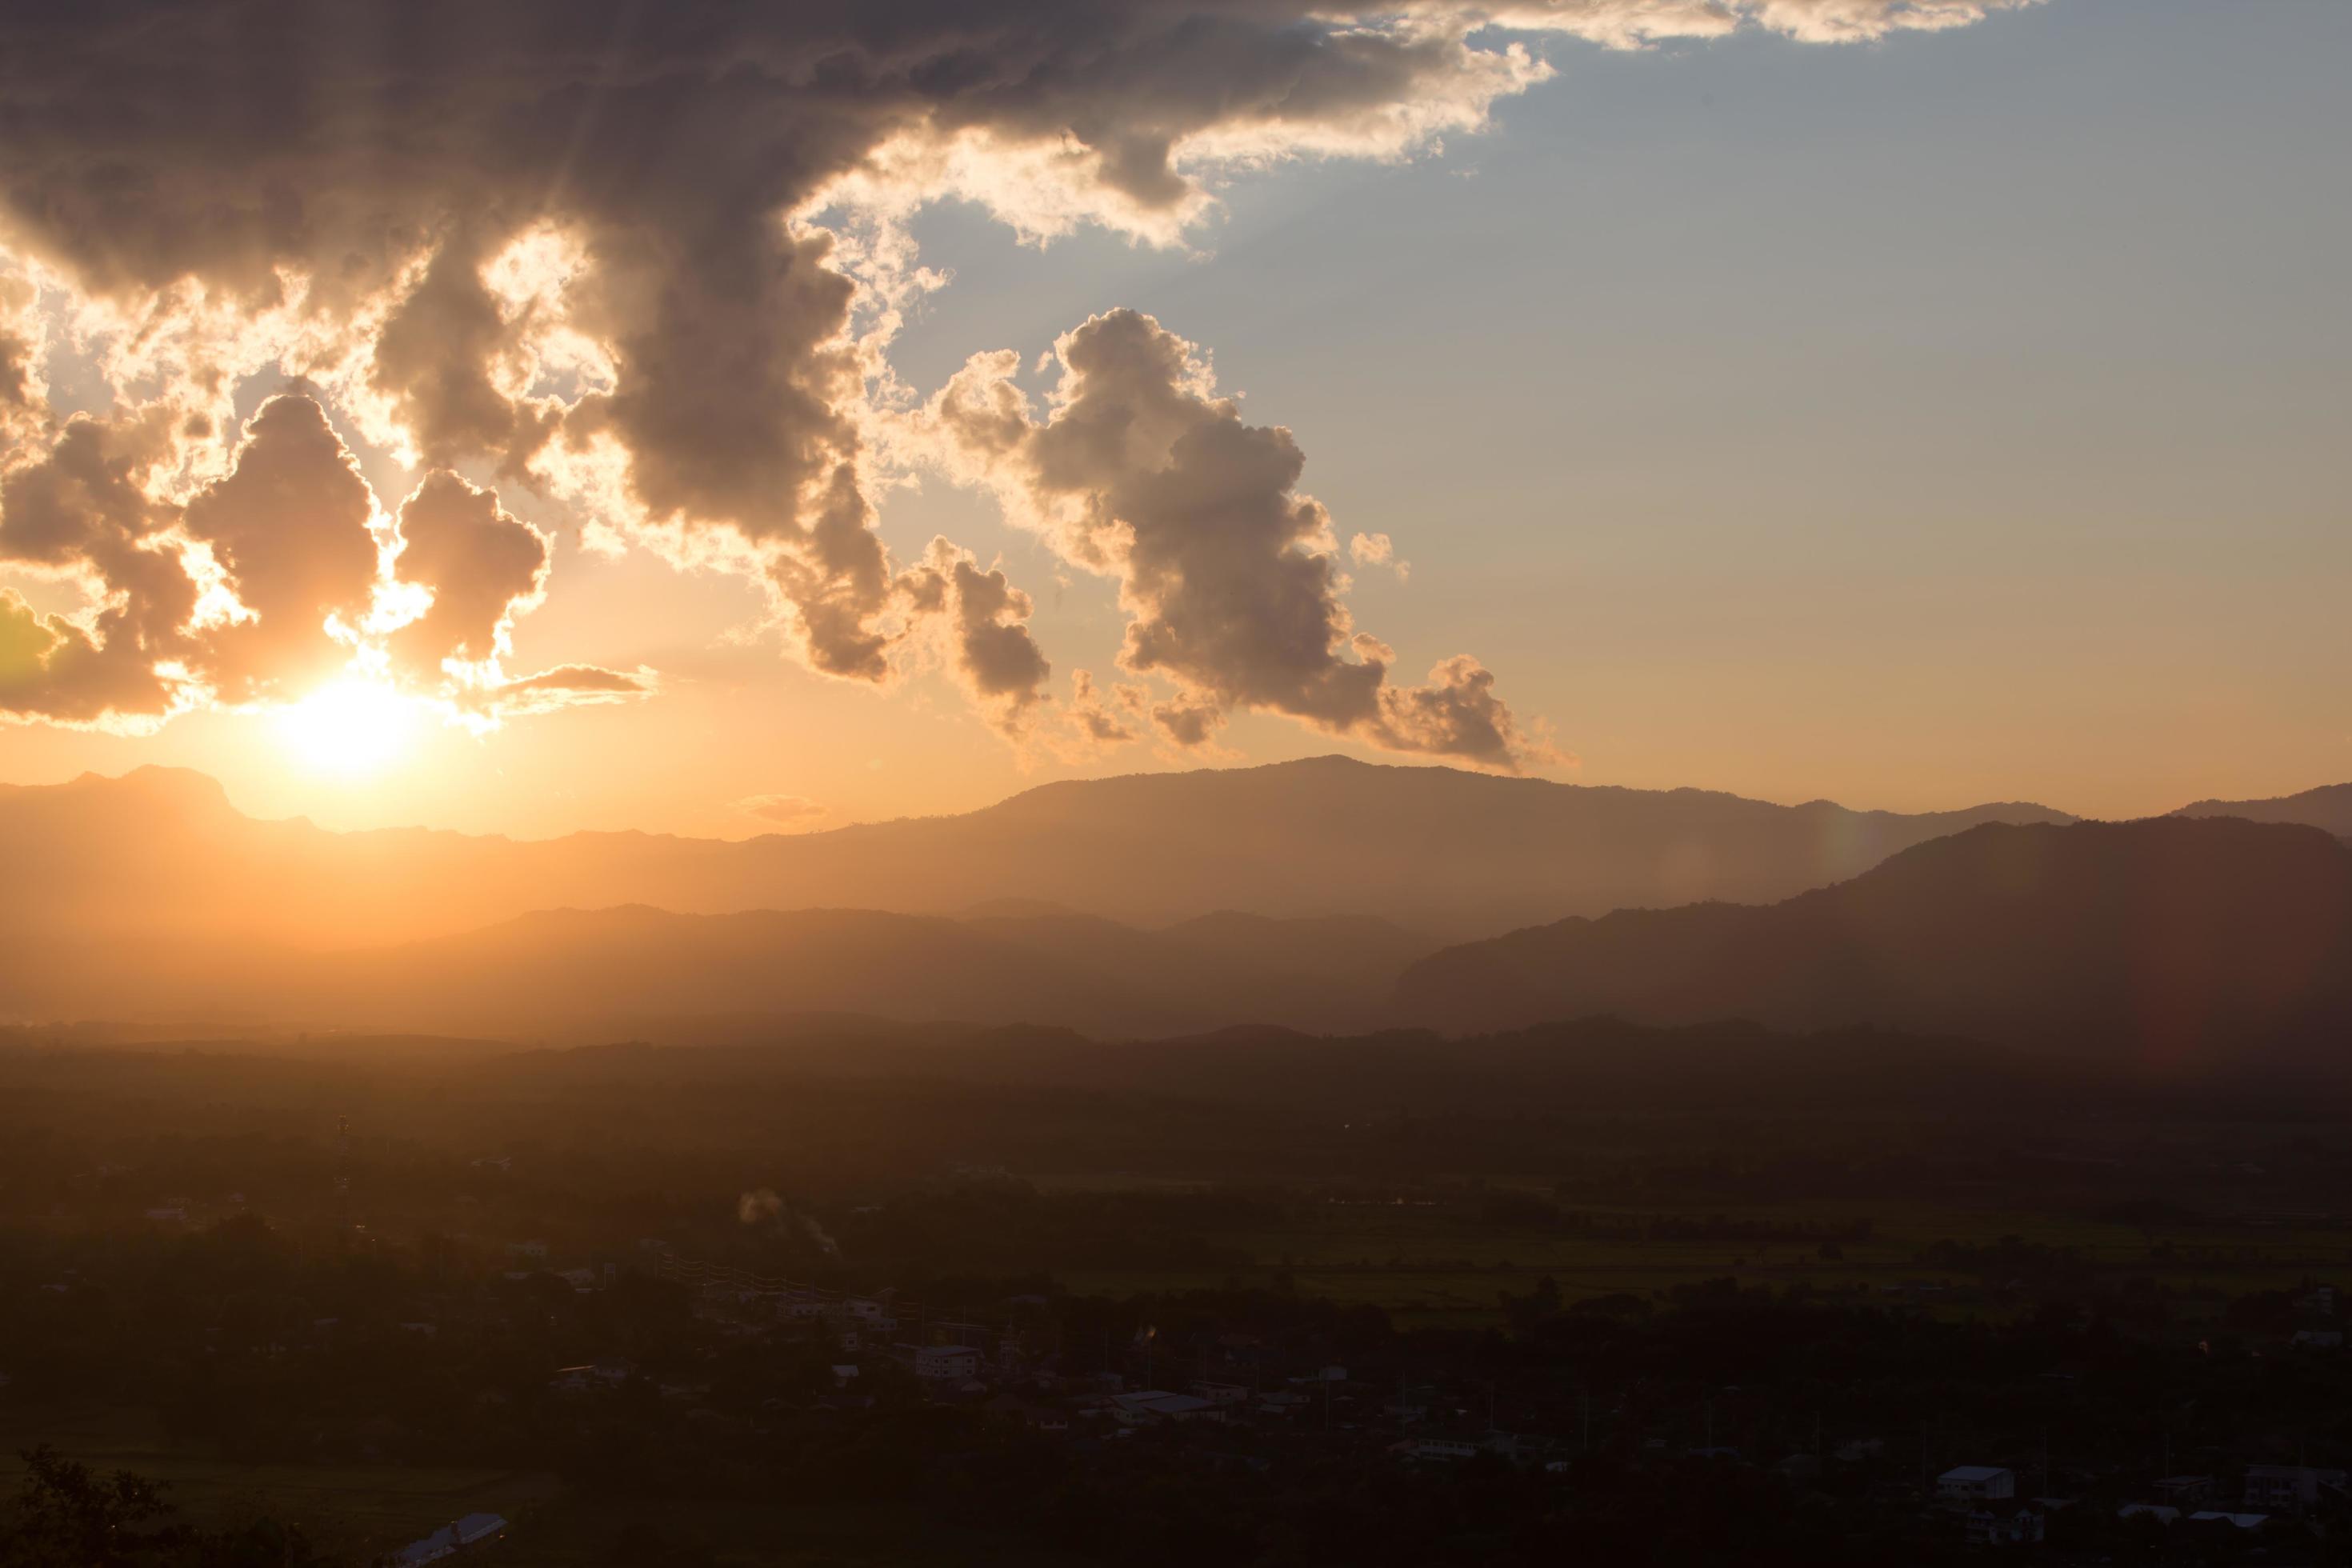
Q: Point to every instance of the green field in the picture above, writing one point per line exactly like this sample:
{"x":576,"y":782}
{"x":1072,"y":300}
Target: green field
{"x":1436,"y":1265}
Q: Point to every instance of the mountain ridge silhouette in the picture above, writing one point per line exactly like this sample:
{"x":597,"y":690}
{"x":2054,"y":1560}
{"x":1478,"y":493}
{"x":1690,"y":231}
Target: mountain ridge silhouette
{"x":2168,"y":941}
{"x":161,"y":852}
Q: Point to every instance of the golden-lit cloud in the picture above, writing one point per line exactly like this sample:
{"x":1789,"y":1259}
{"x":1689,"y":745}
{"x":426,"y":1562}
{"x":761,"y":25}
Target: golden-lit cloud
{"x":980,"y":621}
{"x":1378,"y":550}
{"x":1229,"y":575}
{"x":294,"y":528}
{"x":1635,"y":24}
{"x":271,"y":584}
{"x":563,"y":685}
{"x":79,"y":513}
{"x":1096,"y":721}
{"x":638,"y":269}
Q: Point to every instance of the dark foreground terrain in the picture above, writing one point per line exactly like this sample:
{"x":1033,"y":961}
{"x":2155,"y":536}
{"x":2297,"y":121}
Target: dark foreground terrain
{"x":851,"y":1292}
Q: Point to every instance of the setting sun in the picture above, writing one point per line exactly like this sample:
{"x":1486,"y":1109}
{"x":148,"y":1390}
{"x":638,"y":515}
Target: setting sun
{"x":351,"y":727}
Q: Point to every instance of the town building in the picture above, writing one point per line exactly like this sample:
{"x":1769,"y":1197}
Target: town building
{"x":871,"y":1311}
{"x":947,"y":1363}
{"x":2005,"y":1522}
{"x":2277,"y":1488}
{"x":1445,"y":1449}
{"x":1154,"y":1405}
{"x":1976,"y":1483}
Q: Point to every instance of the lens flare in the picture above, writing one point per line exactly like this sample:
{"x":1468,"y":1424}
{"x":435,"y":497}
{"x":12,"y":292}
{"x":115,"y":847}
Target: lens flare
{"x":350,"y":728}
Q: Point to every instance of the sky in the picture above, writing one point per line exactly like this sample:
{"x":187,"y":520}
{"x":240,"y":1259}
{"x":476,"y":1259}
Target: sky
{"x":1826,"y":405}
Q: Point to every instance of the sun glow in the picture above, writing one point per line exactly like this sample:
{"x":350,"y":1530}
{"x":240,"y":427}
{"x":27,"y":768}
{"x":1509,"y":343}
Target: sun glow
{"x":351,"y":727}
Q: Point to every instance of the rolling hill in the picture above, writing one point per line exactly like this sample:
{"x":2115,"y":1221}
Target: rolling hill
{"x":635,"y":970}
{"x":160,"y":855}
{"x":2328,"y":807}
{"x":2170,"y":944}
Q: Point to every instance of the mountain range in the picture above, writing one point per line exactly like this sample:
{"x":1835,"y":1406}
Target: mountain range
{"x":2328,"y":807}
{"x":161,"y":853}
{"x":2171,"y":944}
{"x":1326,"y":895}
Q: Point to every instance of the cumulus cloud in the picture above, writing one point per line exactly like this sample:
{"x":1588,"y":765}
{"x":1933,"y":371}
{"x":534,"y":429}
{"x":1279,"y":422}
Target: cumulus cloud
{"x":23,"y":333}
{"x":1190,"y":722}
{"x":646,"y":262}
{"x":71,"y":670}
{"x":981,"y":622}
{"x":1228,"y":573}
{"x":1099,"y":722}
{"x":1378,"y":550}
{"x":293,"y":528}
{"x":480,"y":566}
{"x":445,"y":362}
{"x":79,"y":513}
{"x":266,"y":583}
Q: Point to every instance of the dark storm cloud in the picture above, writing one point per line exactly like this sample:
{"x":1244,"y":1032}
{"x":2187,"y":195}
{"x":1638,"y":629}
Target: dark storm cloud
{"x":579,"y":245}
{"x":435,"y":358}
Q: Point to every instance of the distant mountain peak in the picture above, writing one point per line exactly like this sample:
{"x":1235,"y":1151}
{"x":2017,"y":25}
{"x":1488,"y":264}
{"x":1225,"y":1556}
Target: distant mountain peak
{"x":1017,"y":909}
{"x":153,"y":775}
{"x":184,"y":788}
{"x":2320,"y":795}
{"x":2175,"y":941}
{"x":2328,"y":807}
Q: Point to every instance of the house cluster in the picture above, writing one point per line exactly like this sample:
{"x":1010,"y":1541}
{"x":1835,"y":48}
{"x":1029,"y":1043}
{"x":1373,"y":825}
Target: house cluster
{"x":2264,"y":1492}
{"x":1985,"y":1499}
{"x":1014,"y":1362}
{"x":528,"y":1258}
{"x":1991,"y":1513}
{"x":1015,"y":1365}
{"x":2317,"y":1326}
{"x":1019,"y":1378}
